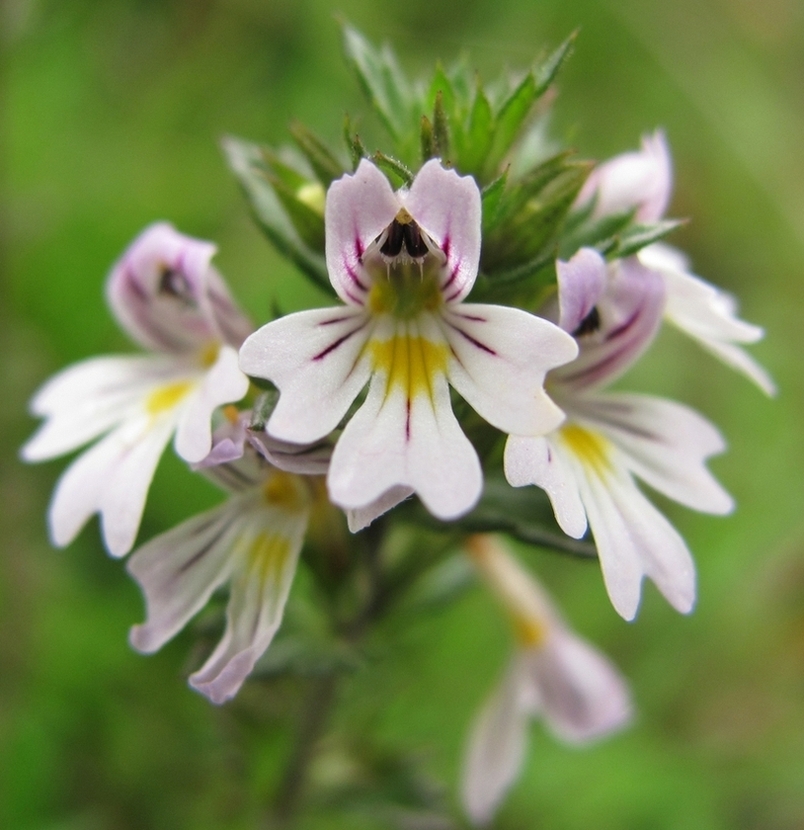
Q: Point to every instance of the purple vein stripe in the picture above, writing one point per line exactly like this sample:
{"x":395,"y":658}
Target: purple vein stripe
{"x":472,"y":340}
{"x":338,"y":342}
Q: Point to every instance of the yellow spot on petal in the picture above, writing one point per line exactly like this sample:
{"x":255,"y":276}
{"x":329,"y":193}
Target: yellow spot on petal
{"x":529,"y":632}
{"x":231,"y":413}
{"x":167,"y":397}
{"x":268,"y":553}
{"x":591,"y":448}
{"x":409,"y":363}
{"x":209,"y":354}
{"x":286,"y":491}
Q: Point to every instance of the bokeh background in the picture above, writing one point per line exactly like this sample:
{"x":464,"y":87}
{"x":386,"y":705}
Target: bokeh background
{"x":110,"y":115}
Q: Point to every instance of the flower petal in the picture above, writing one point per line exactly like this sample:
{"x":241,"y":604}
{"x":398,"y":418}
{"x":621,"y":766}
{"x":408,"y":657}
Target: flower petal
{"x":361,"y":517}
{"x":664,"y":443}
{"x":268,"y":553}
{"x":496,"y":748}
{"x":500,"y":358}
{"x":111,"y":478}
{"x":359,"y":208}
{"x":448,"y":208}
{"x":411,"y":440}
{"x":706,"y":314}
{"x":629,"y":315}
{"x":581,"y":283}
{"x":158,"y":290}
{"x":536,"y":461}
{"x":316,"y":360}
{"x":223,"y":383}
{"x":583,"y":696}
{"x":634,"y":540}
{"x":178,"y":572}
{"x":87,"y":399}
{"x":641,"y":180}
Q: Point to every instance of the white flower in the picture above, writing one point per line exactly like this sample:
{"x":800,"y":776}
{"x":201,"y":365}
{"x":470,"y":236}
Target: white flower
{"x":403,"y":263}
{"x":252,"y":542}
{"x":170,"y":300}
{"x":553,"y":674}
{"x":643,"y":181}
{"x":587,"y":466}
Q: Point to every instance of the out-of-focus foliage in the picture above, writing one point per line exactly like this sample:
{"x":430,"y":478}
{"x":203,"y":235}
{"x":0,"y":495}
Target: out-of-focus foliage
{"x":112,"y":114}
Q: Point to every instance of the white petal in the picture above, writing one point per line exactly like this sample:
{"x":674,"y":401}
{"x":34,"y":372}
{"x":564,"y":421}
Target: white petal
{"x":358,"y":209}
{"x":112,"y":478}
{"x":223,"y":383}
{"x":361,"y":517}
{"x":448,"y":207}
{"x":316,"y":360}
{"x":707,"y":314}
{"x":88,"y":398}
{"x":583,"y":696}
{"x":496,"y":748}
{"x":539,"y":461}
{"x":395,"y":441}
{"x":500,"y":358}
{"x":178,"y":571}
{"x":634,"y":540}
{"x":260,"y":587}
{"x":642,"y":179}
{"x":663,"y":442}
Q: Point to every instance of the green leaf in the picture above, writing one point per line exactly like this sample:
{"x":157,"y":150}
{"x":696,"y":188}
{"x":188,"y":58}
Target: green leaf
{"x":440,"y":128}
{"x":357,"y":149}
{"x":246,"y":161}
{"x":323,"y":161}
{"x":393,"y":166}
{"x":381,"y":80}
{"x":479,"y":135}
{"x":491,"y":198}
{"x":428,"y":140}
{"x":511,"y":117}
{"x":638,"y":236}
{"x":547,"y":72}
{"x":582,"y":231}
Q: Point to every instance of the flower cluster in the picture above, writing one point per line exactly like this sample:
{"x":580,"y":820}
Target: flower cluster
{"x":406,"y":389}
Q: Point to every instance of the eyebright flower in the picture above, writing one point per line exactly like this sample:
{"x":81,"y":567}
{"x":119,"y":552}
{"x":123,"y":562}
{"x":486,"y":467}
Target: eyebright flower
{"x":587,"y":466}
{"x":252,"y":541}
{"x":169,"y":299}
{"x":403,"y":263}
{"x":643,"y":181}
{"x":553,"y":674}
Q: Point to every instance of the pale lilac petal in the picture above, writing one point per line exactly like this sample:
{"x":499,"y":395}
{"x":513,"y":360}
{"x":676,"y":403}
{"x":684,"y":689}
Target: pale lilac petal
{"x":234,"y":326}
{"x":539,"y":461}
{"x":629,"y":312}
{"x":707,"y":314}
{"x":112,"y":478}
{"x":583,"y":696}
{"x":157,"y":290}
{"x":359,"y":208}
{"x":89,"y":398}
{"x":448,"y":208}
{"x":664,"y":443}
{"x":500,"y":358}
{"x":581,"y":283}
{"x":496,"y":749}
{"x":302,"y":459}
{"x":361,"y":517}
{"x":395,"y":441}
{"x":316,"y":359}
{"x":268,"y":554}
{"x":223,"y":383}
{"x":178,"y":572}
{"x":634,"y":540}
{"x":641,"y":180}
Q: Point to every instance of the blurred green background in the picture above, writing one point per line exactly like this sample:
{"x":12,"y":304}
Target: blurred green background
{"x":110,"y":114}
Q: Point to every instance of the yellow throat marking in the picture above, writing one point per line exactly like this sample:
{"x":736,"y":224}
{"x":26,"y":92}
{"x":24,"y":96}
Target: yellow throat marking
{"x":286,"y":491}
{"x":409,"y":363}
{"x":268,"y":554}
{"x":591,"y":448}
{"x":166,"y":397}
